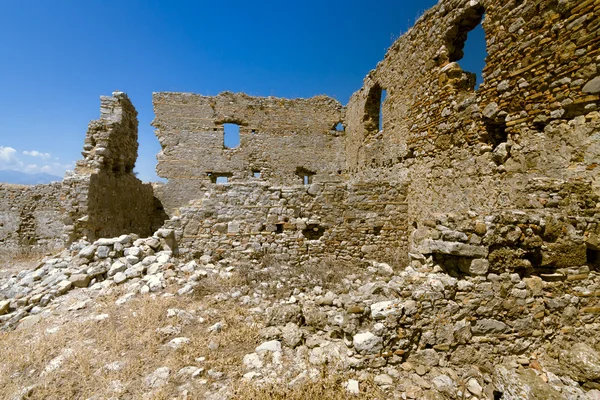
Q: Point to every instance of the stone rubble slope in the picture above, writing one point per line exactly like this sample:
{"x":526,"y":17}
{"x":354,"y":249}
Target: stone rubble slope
{"x":417,"y":333}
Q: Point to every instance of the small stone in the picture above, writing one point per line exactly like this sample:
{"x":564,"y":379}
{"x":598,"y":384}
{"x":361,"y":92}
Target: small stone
{"x":117,"y":266}
{"x":352,"y":386}
{"x":63,"y":287}
{"x":593,"y":86}
{"x":367,"y":343}
{"x":384,"y":380}
{"x":384,"y":309}
{"x":271,"y":346}
{"x":103,"y":251}
{"x":4,"y":307}
{"x":178,"y":342}
{"x":120,"y":277}
{"x":158,"y":378}
{"x":80,"y":280}
{"x":474,"y":387}
{"x":252,"y":361}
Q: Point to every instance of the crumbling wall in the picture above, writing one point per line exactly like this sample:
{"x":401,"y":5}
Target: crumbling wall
{"x":525,"y":139}
{"x":31,"y":217}
{"x":280,"y":139}
{"x":355,"y":223}
{"x":103,"y":198}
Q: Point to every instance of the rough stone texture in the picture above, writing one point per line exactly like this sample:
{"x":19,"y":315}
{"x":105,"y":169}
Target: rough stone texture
{"x":248,"y":220}
{"x":31,"y":217}
{"x":281,"y":139}
{"x":526,"y":139}
{"x":103,"y":197}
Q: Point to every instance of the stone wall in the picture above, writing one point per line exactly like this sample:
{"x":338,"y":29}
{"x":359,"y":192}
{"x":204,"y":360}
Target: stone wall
{"x":280,"y":139}
{"x":526,"y":139}
{"x":103,"y":197}
{"x":353,"y":223}
{"x":31,"y":217}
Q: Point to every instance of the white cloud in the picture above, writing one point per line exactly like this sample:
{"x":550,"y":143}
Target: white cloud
{"x":9,"y":159}
{"x":35,"y":153}
{"x":8,"y":156}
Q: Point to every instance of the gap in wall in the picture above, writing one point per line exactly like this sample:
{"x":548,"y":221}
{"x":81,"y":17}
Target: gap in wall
{"x":231,"y":137}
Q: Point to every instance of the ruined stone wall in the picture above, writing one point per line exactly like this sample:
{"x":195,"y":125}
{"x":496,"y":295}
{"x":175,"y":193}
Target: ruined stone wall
{"x":281,"y":139}
{"x":296,"y":224}
{"x":524,"y":140}
{"x":31,"y":217}
{"x":103,"y":197}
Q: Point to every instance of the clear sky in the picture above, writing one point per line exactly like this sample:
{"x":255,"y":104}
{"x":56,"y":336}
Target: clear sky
{"x":59,"y":56}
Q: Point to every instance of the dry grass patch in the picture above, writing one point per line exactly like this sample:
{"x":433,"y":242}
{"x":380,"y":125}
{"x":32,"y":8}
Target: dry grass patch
{"x":327,"y":386}
{"x":111,"y":357}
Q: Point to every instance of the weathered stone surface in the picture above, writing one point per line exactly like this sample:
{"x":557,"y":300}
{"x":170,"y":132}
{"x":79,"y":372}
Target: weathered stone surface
{"x":367,"y":343}
{"x":593,"y":86}
{"x":581,"y":362}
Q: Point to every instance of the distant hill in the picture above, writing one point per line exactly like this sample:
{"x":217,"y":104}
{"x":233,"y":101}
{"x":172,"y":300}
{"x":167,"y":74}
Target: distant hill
{"x":22,"y":178}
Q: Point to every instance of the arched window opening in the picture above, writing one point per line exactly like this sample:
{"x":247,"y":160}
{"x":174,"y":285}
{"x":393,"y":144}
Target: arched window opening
{"x":231,"y":137}
{"x":373,"y":118}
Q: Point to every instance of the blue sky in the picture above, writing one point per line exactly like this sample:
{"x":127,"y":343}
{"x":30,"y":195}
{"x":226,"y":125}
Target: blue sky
{"x":59,"y":56}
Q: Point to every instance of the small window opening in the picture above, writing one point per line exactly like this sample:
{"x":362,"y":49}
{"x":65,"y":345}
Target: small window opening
{"x":256,"y":174}
{"x":279,"y":228}
{"x":218,"y":178}
{"x":466,"y":44}
{"x":373,"y":117}
{"x":305,"y":175}
{"x":231,"y":137}
{"x":593,"y":257}
{"x":383,"y":96}
{"x":340,"y":127}
{"x":253,"y":131}
{"x":313,"y":231}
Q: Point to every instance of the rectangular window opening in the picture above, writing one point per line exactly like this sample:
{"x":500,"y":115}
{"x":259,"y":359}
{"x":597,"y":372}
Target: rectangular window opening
{"x":219,"y":178}
{"x":231,"y":136}
{"x":256,"y":174}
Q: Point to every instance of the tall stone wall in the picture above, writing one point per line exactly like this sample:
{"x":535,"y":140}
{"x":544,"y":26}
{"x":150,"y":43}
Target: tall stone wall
{"x":103,"y":197}
{"x":527,"y":138}
{"x":280,"y":139}
{"x":31,"y":217}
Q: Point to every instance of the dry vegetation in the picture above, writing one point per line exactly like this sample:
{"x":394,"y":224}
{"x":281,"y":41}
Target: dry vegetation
{"x":128,"y":336}
{"x":110,"y":357}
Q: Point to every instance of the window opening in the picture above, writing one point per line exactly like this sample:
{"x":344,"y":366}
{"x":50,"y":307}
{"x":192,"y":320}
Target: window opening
{"x":593,"y":257}
{"x":231,"y":137}
{"x":466,"y":43}
{"x":340,"y":127}
{"x":219,"y":178}
{"x":373,"y":118}
{"x":305,"y":175}
{"x":382,"y":99}
{"x":256,"y":174}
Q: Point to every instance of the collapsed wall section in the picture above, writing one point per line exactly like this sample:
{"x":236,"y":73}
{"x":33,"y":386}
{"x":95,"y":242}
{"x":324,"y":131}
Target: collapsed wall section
{"x":103,"y":197}
{"x":526,"y":140}
{"x":31,"y":217}
{"x":282,"y":142}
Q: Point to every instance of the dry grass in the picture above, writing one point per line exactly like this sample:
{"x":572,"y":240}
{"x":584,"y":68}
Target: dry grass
{"x":330,"y":387}
{"x":128,"y":336}
{"x":15,"y":260}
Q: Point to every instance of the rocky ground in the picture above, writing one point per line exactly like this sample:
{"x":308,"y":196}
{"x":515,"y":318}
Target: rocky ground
{"x":124,"y":318}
